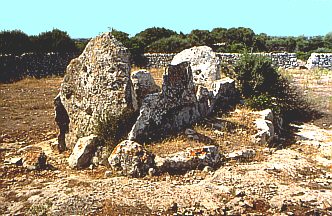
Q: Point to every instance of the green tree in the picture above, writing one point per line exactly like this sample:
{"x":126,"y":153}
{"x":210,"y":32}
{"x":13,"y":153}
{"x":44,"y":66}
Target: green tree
{"x":328,"y":40}
{"x":151,"y":35}
{"x":14,"y":42}
{"x":172,"y":44}
{"x":54,"y":41}
{"x":200,"y":38}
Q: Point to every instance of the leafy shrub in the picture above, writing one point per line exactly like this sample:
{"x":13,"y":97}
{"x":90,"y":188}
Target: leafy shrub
{"x":262,"y":87}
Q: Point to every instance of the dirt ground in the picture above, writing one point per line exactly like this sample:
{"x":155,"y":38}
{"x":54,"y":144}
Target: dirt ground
{"x":295,"y":180}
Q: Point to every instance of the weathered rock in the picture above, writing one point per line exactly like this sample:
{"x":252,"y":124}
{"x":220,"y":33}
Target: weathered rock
{"x":179,"y":105}
{"x":170,"y":110}
{"x":130,"y":158}
{"x":265,"y":127}
{"x":143,"y":84}
{"x":96,"y":87}
{"x":241,"y":154}
{"x":33,"y":158}
{"x":204,"y":63}
{"x":15,"y":161}
{"x":190,"y":159}
{"x":83,"y":152}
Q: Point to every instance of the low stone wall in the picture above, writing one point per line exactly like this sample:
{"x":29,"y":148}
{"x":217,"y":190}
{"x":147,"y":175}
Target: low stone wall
{"x":320,"y":60}
{"x":158,"y":60}
{"x":284,"y":60}
{"x":32,"y":64}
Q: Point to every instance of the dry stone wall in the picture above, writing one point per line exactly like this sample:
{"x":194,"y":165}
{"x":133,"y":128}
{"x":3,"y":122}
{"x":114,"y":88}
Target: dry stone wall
{"x":320,"y":60}
{"x":284,"y":60}
{"x":32,"y":64}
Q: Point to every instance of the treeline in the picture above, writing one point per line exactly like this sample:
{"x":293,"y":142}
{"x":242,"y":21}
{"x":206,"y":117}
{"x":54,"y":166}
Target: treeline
{"x":222,"y":40}
{"x":168,"y":41}
{"x":17,"y":42}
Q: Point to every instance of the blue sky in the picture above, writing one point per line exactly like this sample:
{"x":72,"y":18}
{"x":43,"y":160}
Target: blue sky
{"x":82,"y":19}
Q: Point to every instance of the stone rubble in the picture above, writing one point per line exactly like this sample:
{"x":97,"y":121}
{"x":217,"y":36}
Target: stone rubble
{"x":191,"y":159}
{"x":33,"y":158}
{"x":131,"y":159}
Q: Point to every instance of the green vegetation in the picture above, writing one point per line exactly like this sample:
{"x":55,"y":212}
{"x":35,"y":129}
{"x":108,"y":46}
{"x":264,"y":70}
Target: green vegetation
{"x":164,"y":40}
{"x":262,"y":87}
{"x":17,"y":42}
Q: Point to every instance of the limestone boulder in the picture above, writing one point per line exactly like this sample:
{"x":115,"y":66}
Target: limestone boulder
{"x":96,"y":87}
{"x":191,"y":158}
{"x":204,"y":63}
{"x":143,"y":84}
{"x":83,"y":152}
{"x":131,"y":159}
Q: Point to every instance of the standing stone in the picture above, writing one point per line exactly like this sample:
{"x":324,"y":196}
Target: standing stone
{"x":205,"y":65}
{"x":170,"y":110}
{"x":143,"y":84}
{"x":96,"y":88}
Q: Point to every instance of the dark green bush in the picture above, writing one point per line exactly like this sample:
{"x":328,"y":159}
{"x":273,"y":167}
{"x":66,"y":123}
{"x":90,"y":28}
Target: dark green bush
{"x":262,"y":87}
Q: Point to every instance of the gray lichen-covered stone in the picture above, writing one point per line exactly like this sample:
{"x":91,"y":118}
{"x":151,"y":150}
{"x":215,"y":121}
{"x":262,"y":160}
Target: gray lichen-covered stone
{"x":131,"y":159}
{"x":96,"y":87}
{"x":190,"y":159}
{"x":180,"y":103}
{"x":170,"y":110}
{"x":143,"y":84}
{"x":83,"y":152}
{"x":204,"y":63}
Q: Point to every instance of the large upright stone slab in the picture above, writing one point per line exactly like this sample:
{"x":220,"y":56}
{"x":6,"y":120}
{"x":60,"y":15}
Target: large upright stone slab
{"x":170,"y":110}
{"x":204,"y":63}
{"x":96,"y":87}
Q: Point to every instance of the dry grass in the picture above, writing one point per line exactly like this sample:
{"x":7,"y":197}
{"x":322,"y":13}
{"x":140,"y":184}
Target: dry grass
{"x":316,"y":84}
{"x":26,"y":108}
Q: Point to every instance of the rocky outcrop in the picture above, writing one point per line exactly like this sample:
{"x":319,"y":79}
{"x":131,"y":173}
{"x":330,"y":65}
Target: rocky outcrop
{"x":205,"y":65}
{"x":192,"y":158}
{"x":83,"y":152}
{"x":96,"y":87}
{"x":143,"y":84}
{"x":130,"y":158}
